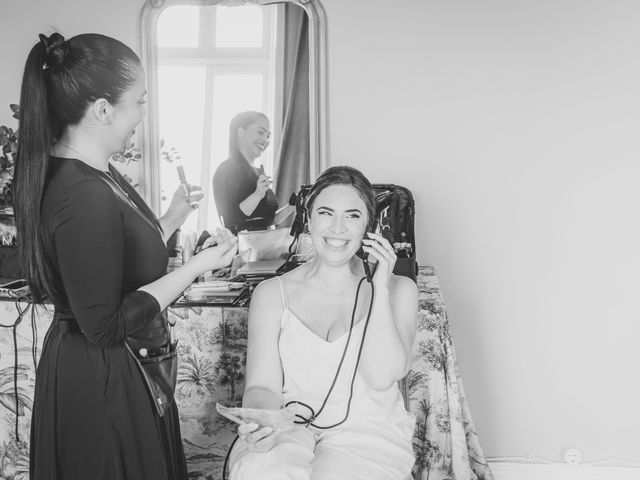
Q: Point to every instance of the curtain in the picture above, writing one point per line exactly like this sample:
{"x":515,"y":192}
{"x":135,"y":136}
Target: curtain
{"x":292,"y":160}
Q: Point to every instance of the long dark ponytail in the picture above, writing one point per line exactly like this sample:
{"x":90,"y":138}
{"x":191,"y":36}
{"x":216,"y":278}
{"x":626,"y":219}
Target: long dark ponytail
{"x":61,"y":79}
{"x":32,"y":163}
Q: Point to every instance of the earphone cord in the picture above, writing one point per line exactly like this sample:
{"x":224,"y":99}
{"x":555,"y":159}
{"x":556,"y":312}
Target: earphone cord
{"x":309,"y":421}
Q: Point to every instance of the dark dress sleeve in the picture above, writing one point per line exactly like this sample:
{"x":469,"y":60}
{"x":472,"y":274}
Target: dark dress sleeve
{"x":229,"y":189}
{"x":88,"y":231}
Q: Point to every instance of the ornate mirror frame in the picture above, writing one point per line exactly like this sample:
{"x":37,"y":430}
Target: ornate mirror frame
{"x":318,"y":159}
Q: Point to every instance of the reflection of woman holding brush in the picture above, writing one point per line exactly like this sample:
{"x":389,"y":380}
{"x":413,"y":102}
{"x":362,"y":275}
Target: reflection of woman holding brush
{"x":242,"y":192}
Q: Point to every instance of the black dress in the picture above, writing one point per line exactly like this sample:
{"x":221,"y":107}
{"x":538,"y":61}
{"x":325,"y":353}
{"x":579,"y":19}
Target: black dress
{"x":92,"y":415}
{"x":233,"y":181}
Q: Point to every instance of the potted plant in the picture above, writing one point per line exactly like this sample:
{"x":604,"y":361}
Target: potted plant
{"x":8,"y":149}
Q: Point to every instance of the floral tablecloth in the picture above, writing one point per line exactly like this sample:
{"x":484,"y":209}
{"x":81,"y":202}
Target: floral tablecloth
{"x":212,"y":347}
{"x":445,"y":442}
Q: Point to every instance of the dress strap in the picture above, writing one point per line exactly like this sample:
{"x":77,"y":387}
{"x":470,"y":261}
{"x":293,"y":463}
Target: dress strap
{"x":282,"y":293}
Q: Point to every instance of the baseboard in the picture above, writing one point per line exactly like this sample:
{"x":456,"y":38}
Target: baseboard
{"x":523,"y":470}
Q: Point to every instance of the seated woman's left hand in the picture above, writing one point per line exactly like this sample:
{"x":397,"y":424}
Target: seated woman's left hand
{"x":379,"y":248}
{"x":257,"y":438}
{"x":185,"y":199}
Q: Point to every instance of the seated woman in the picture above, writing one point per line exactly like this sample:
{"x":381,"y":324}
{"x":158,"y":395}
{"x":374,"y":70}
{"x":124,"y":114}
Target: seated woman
{"x":242,"y":193}
{"x":307,"y":348}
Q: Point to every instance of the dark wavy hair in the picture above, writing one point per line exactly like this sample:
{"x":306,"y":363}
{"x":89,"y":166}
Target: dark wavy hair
{"x":344,"y":175}
{"x":61,"y":79}
{"x":243,"y":119}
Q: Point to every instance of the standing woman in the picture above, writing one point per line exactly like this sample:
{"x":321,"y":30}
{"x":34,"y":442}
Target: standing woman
{"x":242,"y":193}
{"x":91,"y":245}
{"x":334,"y":345}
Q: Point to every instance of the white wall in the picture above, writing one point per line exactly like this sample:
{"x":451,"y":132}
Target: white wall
{"x":23,"y":20}
{"x":515,"y":123}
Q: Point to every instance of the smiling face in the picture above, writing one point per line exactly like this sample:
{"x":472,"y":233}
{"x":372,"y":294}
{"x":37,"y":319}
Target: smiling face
{"x":337,"y":223}
{"x":128,"y":114}
{"x":253,"y":139}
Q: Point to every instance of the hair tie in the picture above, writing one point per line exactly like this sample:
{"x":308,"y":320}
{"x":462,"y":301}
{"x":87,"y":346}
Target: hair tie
{"x":55,"y":50}
{"x":43,"y":41}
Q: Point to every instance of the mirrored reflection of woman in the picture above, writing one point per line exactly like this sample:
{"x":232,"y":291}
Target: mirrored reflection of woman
{"x":90,"y":244}
{"x":305,"y":326}
{"x":242,"y":192}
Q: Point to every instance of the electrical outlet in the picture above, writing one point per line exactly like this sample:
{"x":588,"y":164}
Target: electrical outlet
{"x":573,"y":456}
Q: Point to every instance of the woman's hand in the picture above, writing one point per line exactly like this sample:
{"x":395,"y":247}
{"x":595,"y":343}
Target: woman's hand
{"x":255,"y":438}
{"x":217,"y":251}
{"x":262,"y":185}
{"x":379,"y":248}
{"x":220,"y":236}
{"x":184,"y":201}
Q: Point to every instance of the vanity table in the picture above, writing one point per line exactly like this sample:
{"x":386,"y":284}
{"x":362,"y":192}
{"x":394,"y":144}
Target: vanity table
{"x":212,"y":347}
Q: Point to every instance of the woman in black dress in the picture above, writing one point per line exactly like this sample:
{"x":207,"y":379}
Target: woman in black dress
{"x":242,"y":192}
{"x":91,"y":245}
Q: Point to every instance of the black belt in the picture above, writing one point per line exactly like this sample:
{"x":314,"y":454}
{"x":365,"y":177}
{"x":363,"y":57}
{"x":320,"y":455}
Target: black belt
{"x":66,"y":323}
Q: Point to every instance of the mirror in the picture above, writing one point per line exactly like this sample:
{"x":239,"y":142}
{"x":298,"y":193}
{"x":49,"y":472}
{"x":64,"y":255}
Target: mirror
{"x":207,"y":60}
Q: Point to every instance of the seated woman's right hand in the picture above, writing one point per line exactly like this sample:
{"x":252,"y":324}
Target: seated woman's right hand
{"x":256,"y":438}
{"x":263,"y":184}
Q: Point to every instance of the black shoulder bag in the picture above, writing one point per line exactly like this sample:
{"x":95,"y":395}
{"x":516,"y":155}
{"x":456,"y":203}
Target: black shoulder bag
{"x":152,"y":348}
